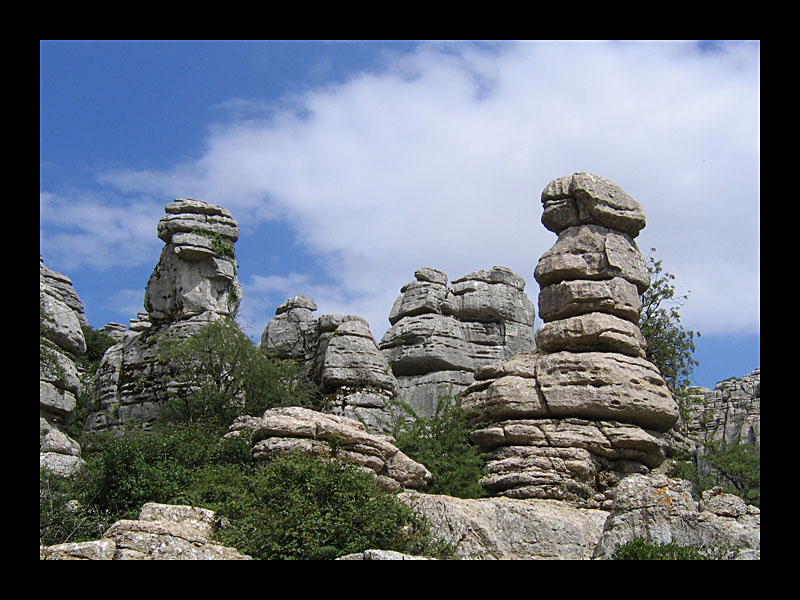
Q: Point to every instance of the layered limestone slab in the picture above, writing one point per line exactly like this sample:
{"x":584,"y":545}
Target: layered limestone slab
{"x":281,"y":431}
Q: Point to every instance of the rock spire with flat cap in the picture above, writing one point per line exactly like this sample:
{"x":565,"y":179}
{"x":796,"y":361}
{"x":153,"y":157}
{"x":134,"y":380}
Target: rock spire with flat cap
{"x":569,"y":421}
{"x":193,"y":284}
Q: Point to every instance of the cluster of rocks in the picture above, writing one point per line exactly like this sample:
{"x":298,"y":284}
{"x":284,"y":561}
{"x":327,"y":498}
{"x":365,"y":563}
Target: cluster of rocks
{"x":282,"y":431}
{"x":571,"y":420}
{"x":61,"y":341}
{"x":730,"y":413}
{"x":162,"y":532}
{"x":653,"y":507}
{"x":193,"y":284}
{"x":440,"y":334}
{"x":341,"y":357}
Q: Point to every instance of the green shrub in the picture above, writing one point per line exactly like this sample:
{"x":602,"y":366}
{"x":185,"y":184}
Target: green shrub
{"x":442,"y":444}
{"x":640,"y":549}
{"x":221,"y":375}
{"x":735,"y":468}
{"x":313,"y":508}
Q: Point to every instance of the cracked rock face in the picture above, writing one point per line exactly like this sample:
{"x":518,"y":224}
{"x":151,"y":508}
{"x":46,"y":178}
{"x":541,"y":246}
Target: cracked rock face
{"x":442,"y":333}
{"x":341,"y":356}
{"x":61,"y":319}
{"x":281,"y":431}
{"x":571,"y":420}
{"x":193,"y":284}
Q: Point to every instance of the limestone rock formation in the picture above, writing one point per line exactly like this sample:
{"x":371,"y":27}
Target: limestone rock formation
{"x":730,"y":413}
{"x":162,"y":532}
{"x":662,"y":511}
{"x":193,"y":284}
{"x":508,"y":529}
{"x":61,"y":319}
{"x":282,"y":431}
{"x":341,"y":356}
{"x":441,"y":334}
{"x":570,"y":420}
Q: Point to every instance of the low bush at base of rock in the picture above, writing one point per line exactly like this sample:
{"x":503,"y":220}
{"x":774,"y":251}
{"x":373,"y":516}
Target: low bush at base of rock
{"x":640,"y":549}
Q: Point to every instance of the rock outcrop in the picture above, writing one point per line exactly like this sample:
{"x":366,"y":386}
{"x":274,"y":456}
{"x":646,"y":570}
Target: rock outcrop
{"x":440,"y":334}
{"x":508,"y":529}
{"x":61,"y":322}
{"x":730,"y":413}
{"x":662,"y":511}
{"x":162,"y":532}
{"x":570,"y":420}
{"x":193,"y":284}
{"x":282,"y":431}
{"x":341,"y":356}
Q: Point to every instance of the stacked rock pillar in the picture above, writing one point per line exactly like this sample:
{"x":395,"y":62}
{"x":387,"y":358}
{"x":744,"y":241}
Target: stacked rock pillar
{"x":193,"y":284}
{"x":569,"y":421}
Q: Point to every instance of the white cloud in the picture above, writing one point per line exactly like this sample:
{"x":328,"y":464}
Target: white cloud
{"x":440,"y":161}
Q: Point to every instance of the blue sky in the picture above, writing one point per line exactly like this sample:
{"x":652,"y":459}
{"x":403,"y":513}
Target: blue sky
{"x":349,"y":165}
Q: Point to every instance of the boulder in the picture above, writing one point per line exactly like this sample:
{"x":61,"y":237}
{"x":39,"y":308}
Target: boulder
{"x":282,"y":431}
{"x":662,"y":510}
{"x":162,"y":532}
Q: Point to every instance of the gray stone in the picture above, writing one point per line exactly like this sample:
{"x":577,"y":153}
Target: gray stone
{"x":591,"y":332}
{"x":592,"y":252}
{"x":585,"y":198}
{"x":509,"y":529}
{"x":614,"y":296}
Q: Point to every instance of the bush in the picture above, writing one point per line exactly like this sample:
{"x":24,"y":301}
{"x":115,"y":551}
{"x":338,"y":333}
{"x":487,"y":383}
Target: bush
{"x":442,"y":444}
{"x":736,"y":469}
{"x":296,"y":507}
{"x":313,"y":508}
{"x":640,"y":549}
{"x":220,"y":375}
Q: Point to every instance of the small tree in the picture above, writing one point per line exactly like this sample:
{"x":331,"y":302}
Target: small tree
{"x":218,"y":374}
{"x":669,"y":345}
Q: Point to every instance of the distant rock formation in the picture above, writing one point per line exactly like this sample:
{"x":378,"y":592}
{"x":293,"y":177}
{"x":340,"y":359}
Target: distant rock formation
{"x":162,"y":532}
{"x":730,"y":413}
{"x":61,"y":319}
{"x":193,"y":284}
{"x":571,"y":420}
{"x":341,"y":357}
{"x":441,"y":334}
{"x":281,"y":431}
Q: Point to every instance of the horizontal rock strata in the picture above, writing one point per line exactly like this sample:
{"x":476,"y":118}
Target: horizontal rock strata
{"x":282,"y":431}
{"x":162,"y":532}
{"x":441,"y":333}
{"x":586,"y":409}
{"x":341,"y":356}
{"x":61,"y":341}
{"x":193,"y":284}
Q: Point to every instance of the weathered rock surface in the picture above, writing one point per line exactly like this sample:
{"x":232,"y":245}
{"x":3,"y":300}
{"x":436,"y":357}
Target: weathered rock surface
{"x":662,"y":511}
{"x":586,"y":409}
{"x":382,"y":555}
{"x":162,"y":532}
{"x":341,"y":356}
{"x":440,"y":334}
{"x":730,"y":413}
{"x":193,"y":284}
{"x":61,"y":320}
{"x":282,"y":431}
{"x":508,"y":529}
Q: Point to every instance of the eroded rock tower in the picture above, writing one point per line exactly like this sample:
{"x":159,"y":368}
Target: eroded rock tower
{"x":570,"y":420}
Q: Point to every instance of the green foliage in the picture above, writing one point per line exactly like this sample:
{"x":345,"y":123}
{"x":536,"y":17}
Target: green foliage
{"x":220,"y":375}
{"x":735,"y":468}
{"x":640,"y":549}
{"x":61,"y":518}
{"x":296,"y":507}
{"x":669,"y":346}
{"x":126,"y":471}
{"x":312,"y":508}
{"x":442,"y":444}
